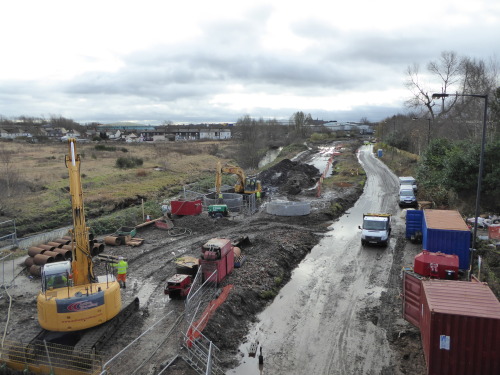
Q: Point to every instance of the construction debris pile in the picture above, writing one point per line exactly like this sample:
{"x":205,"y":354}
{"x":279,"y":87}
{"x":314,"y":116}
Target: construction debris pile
{"x":290,"y":177}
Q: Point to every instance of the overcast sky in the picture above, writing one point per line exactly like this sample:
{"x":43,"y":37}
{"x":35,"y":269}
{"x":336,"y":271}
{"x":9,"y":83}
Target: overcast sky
{"x":216,"y":61}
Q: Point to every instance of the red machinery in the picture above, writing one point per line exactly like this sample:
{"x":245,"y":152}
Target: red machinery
{"x":217,"y":254}
{"x":438,"y":265}
{"x":178,"y":286}
{"x":182,"y":207}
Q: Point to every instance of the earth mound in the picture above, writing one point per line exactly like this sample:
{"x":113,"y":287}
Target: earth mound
{"x":290,"y":177}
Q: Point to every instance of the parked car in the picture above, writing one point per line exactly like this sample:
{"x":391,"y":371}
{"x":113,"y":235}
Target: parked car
{"x":407,"y":197}
{"x":407,"y":182}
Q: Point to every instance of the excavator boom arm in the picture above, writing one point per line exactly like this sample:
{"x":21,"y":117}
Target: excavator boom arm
{"x":82,"y":265}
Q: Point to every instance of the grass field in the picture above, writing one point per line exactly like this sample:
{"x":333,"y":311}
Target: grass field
{"x":40,"y":196}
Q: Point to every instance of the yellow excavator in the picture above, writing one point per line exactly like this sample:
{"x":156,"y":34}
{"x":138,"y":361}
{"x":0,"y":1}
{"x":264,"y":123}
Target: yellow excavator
{"x":72,"y":297}
{"x":245,"y":185}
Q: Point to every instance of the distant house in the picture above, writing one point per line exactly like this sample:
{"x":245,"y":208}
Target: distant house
{"x":14,"y":132}
{"x":215,"y":132}
{"x":131,"y":138}
{"x":4,"y":134}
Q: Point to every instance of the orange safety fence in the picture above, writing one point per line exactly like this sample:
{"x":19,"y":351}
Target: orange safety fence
{"x":328,"y":163}
{"x":195,"y":329}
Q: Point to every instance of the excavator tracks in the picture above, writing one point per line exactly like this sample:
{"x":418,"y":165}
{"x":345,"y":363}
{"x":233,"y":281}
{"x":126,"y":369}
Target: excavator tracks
{"x":78,"y":351}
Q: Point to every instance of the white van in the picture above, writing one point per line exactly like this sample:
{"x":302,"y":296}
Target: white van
{"x":408,"y":181}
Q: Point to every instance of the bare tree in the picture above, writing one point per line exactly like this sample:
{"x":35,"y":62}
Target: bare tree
{"x":447,"y":70}
{"x":10,"y":174}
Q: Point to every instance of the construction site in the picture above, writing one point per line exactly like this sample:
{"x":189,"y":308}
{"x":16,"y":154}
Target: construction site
{"x":198,"y":278}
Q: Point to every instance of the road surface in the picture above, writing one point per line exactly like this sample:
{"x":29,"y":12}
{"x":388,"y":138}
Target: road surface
{"x":318,"y":323}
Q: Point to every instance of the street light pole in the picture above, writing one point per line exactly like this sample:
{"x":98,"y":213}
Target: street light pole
{"x":481,"y":165}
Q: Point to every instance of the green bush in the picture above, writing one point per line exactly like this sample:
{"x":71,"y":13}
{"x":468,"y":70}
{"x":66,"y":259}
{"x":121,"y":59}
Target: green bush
{"x":128,"y":162}
{"x":101,"y":147}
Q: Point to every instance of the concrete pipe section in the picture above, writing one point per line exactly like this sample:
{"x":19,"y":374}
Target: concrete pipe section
{"x":233,"y":201}
{"x":57,"y":256}
{"x":41,"y":259}
{"x":66,"y":254}
{"x":46,"y":247}
{"x":55,"y":244}
{"x":28,"y":262}
{"x":97,"y":249}
{"x":32,"y":251}
{"x":67,"y":247}
{"x":36,"y":270}
{"x":287,"y":208}
{"x":64,"y":241}
{"x":112,"y":240}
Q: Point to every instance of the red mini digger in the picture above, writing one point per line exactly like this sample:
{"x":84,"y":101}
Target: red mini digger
{"x":178,"y":286}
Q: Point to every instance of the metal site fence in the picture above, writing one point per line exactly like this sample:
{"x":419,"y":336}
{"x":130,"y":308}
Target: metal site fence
{"x":245,"y":204}
{"x":7,"y":270}
{"x":202,"y":354}
{"x":48,"y":358}
{"x":8,"y":234}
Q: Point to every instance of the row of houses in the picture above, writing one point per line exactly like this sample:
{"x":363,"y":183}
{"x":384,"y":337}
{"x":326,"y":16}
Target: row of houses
{"x":146,"y":133}
{"x":122,"y":132}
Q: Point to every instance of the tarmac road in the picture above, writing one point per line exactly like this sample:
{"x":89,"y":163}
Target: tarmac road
{"x":318,"y":323}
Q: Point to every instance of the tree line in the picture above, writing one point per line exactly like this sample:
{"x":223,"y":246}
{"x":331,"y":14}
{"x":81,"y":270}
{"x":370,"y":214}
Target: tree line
{"x":256,"y":136}
{"x":447,"y":132}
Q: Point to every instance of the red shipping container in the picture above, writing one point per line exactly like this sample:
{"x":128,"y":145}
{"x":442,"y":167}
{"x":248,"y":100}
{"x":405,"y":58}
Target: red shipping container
{"x":412,"y":289}
{"x":436,"y":264}
{"x":460,"y":328}
{"x":182,"y":208}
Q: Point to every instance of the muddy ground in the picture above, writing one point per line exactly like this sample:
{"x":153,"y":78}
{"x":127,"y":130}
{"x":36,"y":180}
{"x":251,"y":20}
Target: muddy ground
{"x":275,"y":246}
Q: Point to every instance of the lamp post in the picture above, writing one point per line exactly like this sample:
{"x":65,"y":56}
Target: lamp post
{"x":481,"y":164}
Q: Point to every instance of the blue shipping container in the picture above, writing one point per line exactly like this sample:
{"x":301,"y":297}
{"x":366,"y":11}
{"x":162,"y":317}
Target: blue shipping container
{"x":414,"y":219}
{"x":447,"y":232}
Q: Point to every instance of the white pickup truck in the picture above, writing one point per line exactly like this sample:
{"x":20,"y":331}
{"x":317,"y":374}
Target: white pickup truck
{"x":376,"y":229}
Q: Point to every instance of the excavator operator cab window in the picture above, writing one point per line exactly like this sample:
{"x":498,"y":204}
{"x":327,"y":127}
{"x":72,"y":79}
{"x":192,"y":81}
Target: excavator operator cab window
{"x":54,"y":281}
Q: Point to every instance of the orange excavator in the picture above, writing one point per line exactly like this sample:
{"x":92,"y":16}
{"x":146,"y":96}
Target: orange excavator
{"x":72,"y":297}
{"x":244,"y":185}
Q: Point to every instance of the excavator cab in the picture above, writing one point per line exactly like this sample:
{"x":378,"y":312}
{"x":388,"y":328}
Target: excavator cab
{"x":56,"y":275}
